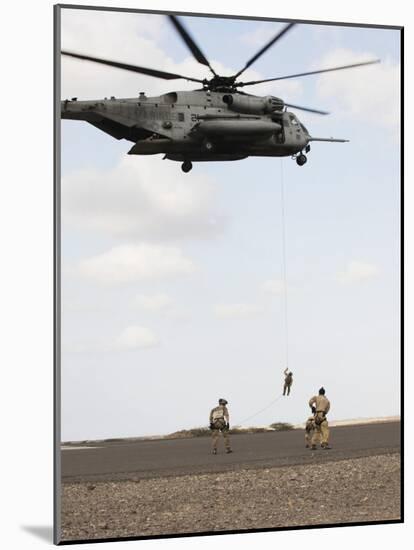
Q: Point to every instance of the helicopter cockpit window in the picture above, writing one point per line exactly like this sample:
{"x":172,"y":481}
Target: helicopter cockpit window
{"x":171,"y":97}
{"x":293,"y":120}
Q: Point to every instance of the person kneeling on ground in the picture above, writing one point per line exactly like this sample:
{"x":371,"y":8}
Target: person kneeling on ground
{"x":310,"y":430}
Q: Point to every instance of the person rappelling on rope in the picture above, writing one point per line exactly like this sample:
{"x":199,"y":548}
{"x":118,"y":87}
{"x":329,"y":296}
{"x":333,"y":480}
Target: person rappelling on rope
{"x":288,"y":381}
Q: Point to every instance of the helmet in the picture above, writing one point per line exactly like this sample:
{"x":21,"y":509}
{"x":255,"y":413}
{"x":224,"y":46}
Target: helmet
{"x":322,"y":391}
{"x":222,"y":402}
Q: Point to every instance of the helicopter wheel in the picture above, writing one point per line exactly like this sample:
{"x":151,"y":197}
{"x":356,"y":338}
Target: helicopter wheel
{"x":301,"y":159}
{"x":186,"y":166}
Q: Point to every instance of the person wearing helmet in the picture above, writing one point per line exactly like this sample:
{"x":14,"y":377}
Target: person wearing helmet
{"x":220,"y":422}
{"x":288,"y":381}
{"x":320,"y":406}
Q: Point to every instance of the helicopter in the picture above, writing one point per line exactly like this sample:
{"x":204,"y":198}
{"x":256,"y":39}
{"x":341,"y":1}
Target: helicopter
{"x":216,"y":122}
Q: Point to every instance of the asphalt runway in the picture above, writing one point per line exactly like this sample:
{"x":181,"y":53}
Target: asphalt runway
{"x":133,"y":460}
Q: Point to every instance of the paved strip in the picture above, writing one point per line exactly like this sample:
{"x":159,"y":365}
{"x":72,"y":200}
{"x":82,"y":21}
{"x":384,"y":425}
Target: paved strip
{"x":132,"y":460}
{"x":77,"y":448}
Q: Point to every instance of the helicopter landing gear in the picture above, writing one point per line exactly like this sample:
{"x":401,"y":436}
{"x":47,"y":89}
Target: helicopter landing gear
{"x":186,"y":166}
{"x":301,"y":159}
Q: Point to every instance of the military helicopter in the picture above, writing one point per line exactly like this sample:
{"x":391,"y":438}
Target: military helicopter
{"x":216,"y":122}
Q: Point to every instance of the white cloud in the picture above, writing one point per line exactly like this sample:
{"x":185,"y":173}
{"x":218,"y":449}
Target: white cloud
{"x":370,"y":94}
{"x":132,"y":337}
{"x":229,"y":311}
{"x":154,"y":302}
{"x":161,"y":304}
{"x":114,"y":36}
{"x":141,"y":198}
{"x":135,"y":337}
{"x":128,"y":263}
{"x":274,"y":286}
{"x":288,"y":90}
{"x":357,"y":271}
{"x":261,"y":34}
{"x":136,"y":39}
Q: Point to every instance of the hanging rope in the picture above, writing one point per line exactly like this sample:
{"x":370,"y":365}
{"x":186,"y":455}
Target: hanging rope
{"x":284,"y":271}
{"x":282,"y":206}
{"x":258,"y":412}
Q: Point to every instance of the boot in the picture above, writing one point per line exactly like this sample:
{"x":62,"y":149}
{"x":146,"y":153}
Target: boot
{"x":214,"y":451}
{"x":228,"y":451}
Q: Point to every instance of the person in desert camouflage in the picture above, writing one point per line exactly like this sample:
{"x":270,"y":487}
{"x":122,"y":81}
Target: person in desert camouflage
{"x":309,"y":428}
{"x":288,"y":381}
{"x":320,"y":406}
{"x":220,"y":422}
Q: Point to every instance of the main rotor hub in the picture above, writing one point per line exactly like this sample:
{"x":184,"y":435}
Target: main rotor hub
{"x":220,"y":84}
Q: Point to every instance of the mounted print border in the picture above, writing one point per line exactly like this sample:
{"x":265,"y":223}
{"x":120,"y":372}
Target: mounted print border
{"x":228,"y":274}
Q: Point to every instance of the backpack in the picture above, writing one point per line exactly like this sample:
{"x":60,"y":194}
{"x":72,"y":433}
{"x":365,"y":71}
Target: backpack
{"x":218,"y":418}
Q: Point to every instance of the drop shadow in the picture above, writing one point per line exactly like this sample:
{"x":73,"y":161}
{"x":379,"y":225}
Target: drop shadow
{"x":43,"y":532}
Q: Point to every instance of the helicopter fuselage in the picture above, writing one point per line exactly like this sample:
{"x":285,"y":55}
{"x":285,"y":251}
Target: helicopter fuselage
{"x":200,"y":125}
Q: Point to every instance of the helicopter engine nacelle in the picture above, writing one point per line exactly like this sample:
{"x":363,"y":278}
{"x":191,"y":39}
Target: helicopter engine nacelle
{"x":252,"y":104}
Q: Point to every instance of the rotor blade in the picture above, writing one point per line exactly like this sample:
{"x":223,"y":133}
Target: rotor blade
{"x":192,"y":46}
{"x":241,"y":84}
{"x":132,"y":68}
{"x":285,"y":29}
{"x":308,"y":109}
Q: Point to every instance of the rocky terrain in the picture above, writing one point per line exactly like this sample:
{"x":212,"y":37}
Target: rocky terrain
{"x":354,"y":490}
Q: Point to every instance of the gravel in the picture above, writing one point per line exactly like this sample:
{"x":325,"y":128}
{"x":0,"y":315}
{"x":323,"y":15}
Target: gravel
{"x":354,"y":490}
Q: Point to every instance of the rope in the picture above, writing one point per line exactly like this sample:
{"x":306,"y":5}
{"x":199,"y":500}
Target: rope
{"x":258,"y":412}
{"x":284,"y":270}
{"x":282,"y":206}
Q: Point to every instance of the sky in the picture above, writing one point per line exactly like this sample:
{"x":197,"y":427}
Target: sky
{"x":173,"y":284}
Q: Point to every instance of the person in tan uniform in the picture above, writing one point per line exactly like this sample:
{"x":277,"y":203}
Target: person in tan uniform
{"x":320,"y":406}
{"x":288,"y":381}
{"x":220,"y":422}
{"x":310,"y":429}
